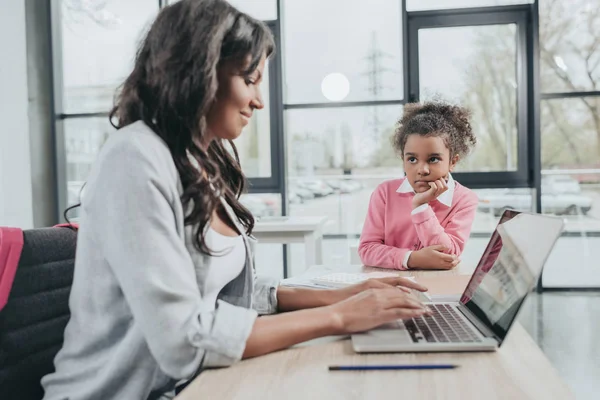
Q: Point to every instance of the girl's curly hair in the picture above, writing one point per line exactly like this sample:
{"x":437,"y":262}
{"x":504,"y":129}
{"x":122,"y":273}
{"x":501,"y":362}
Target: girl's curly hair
{"x":440,"y":119}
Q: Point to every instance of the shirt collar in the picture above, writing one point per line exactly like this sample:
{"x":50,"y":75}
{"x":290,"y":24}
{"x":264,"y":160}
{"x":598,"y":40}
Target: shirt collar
{"x":444,"y":198}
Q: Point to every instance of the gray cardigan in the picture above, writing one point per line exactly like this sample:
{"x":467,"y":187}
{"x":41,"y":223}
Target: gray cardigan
{"x":138,"y":321}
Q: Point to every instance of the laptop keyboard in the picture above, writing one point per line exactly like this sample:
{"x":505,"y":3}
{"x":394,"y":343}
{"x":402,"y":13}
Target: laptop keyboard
{"x":442,"y":326}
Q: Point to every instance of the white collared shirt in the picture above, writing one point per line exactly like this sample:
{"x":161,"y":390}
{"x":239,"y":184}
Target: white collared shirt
{"x":444,"y":198}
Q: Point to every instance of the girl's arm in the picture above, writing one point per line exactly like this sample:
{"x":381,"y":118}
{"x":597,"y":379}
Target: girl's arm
{"x":371,"y":250}
{"x":456,"y":232}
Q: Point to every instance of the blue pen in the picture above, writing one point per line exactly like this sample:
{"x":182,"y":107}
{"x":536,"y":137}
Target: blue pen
{"x":389,"y":367}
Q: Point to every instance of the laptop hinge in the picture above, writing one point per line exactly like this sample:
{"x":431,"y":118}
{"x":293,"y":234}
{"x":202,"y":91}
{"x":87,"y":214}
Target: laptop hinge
{"x":485,"y":331}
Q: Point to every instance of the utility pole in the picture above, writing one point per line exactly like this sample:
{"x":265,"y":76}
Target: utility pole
{"x":375,"y":70}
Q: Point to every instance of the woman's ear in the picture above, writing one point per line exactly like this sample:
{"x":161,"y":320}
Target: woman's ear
{"x":453,"y":162}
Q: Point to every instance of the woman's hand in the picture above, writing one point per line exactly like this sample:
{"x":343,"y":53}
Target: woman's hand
{"x":432,"y":257}
{"x":399,"y":282}
{"x":374,"y":307}
{"x":436,"y":188}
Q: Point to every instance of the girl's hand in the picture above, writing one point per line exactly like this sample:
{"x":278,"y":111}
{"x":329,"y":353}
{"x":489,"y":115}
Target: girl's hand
{"x":432,"y":257}
{"x":436,"y":188}
{"x":374,"y":307}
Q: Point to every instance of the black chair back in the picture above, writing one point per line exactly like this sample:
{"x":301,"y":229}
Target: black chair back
{"x":33,"y":321}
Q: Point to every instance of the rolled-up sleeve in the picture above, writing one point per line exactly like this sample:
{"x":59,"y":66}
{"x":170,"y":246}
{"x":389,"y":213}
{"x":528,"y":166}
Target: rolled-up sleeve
{"x":130,"y":208}
{"x":264,"y":299}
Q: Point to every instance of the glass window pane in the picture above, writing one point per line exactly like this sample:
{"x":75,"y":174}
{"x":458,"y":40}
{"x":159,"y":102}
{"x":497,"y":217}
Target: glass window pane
{"x":262,"y":205}
{"x":347,"y":37}
{"x":99,"y":42}
{"x":475,"y":66}
{"x":265,"y":10}
{"x":570,"y":131}
{"x":419,"y":5}
{"x":336,"y":157}
{"x":336,"y":141}
{"x":83,"y":139}
{"x":569,"y":46}
{"x":254,"y":144}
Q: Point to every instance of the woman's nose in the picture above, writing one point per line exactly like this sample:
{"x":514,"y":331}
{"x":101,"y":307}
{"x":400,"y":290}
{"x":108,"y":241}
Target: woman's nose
{"x":257,"y":102}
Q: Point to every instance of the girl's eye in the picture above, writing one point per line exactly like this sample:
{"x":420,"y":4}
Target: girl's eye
{"x":434,"y":160}
{"x":249,"y":81}
{"x":412,"y":160}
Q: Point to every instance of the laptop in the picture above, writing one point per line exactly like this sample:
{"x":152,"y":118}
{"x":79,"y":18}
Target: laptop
{"x":507,"y":272}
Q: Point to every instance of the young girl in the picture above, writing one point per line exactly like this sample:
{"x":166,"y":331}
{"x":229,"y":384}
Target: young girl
{"x":424,"y":219}
{"x":164,"y":283}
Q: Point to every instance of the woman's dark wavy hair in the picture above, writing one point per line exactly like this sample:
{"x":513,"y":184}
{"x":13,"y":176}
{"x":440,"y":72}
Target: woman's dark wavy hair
{"x":172,"y":88}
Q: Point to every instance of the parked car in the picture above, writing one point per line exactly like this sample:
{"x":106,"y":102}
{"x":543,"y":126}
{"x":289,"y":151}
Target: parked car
{"x":317,"y":187}
{"x":303,"y":193}
{"x":344,"y":185}
{"x":560,"y":195}
{"x":294,"y":198}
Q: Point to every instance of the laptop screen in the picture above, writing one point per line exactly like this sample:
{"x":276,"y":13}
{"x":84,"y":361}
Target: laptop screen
{"x":509,"y":268}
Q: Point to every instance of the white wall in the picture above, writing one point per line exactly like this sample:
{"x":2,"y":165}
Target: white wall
{"x":15,"y":160}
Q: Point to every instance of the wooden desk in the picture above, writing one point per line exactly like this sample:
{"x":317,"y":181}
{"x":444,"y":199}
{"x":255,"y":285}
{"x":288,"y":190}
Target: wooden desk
{"x":307,"y":230}
{"x":518,"y":370}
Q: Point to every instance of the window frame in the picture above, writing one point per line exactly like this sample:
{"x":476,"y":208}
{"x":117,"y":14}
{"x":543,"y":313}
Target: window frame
{"x":518,"y":15}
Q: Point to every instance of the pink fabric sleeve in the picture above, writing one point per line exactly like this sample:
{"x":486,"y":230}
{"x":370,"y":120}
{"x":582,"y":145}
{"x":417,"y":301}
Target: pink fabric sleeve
{"x":457,"y":231}
{"x":372,"y":250}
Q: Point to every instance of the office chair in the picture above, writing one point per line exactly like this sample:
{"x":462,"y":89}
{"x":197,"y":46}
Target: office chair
{"x":36,"y":274}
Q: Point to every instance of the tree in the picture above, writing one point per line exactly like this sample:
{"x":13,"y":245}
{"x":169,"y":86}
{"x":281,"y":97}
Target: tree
{"x":570,"y":61}
{"x":491,"y":95}
{"x":569,"y":33}
{"x":385,"y":156}
{"x":348,"y":148}
{"x":95,"y":10}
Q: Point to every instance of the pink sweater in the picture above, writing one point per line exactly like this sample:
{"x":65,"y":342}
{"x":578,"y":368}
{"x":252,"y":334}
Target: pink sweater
{"x":390,"y":231}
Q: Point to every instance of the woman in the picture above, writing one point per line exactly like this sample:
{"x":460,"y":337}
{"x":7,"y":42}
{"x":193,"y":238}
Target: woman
{"x":164,"y":283}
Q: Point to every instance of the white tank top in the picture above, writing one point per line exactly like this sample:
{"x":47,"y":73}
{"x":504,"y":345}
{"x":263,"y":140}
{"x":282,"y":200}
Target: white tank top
{"x":227,"y":261}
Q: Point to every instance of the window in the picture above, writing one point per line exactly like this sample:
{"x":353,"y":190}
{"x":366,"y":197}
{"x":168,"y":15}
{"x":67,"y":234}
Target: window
{"x":476,"y":66}
{"x":254,"y":144}
{"x":419,"y":5}
{"x":99,"y":42}
{"x":348,"y":38}
{"x":570,"y":186}
{"x":265,"y":10}
{"x":569,"y":46}
{"x":83,"y":139}
{"x":341,"y":141}
{"x":570,"y":135}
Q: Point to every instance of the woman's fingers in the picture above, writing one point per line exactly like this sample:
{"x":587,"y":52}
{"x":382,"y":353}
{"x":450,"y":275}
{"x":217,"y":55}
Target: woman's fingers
{"x":380,"y":283}
{"x":395,"y":299}
{"x":403,"y":282}
{"x":399,"y":313}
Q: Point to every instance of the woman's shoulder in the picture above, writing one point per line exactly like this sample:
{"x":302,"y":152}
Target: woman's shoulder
{"x":136,"y":138}
{"x":135,"y":153}
{"x":137,"y":146}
